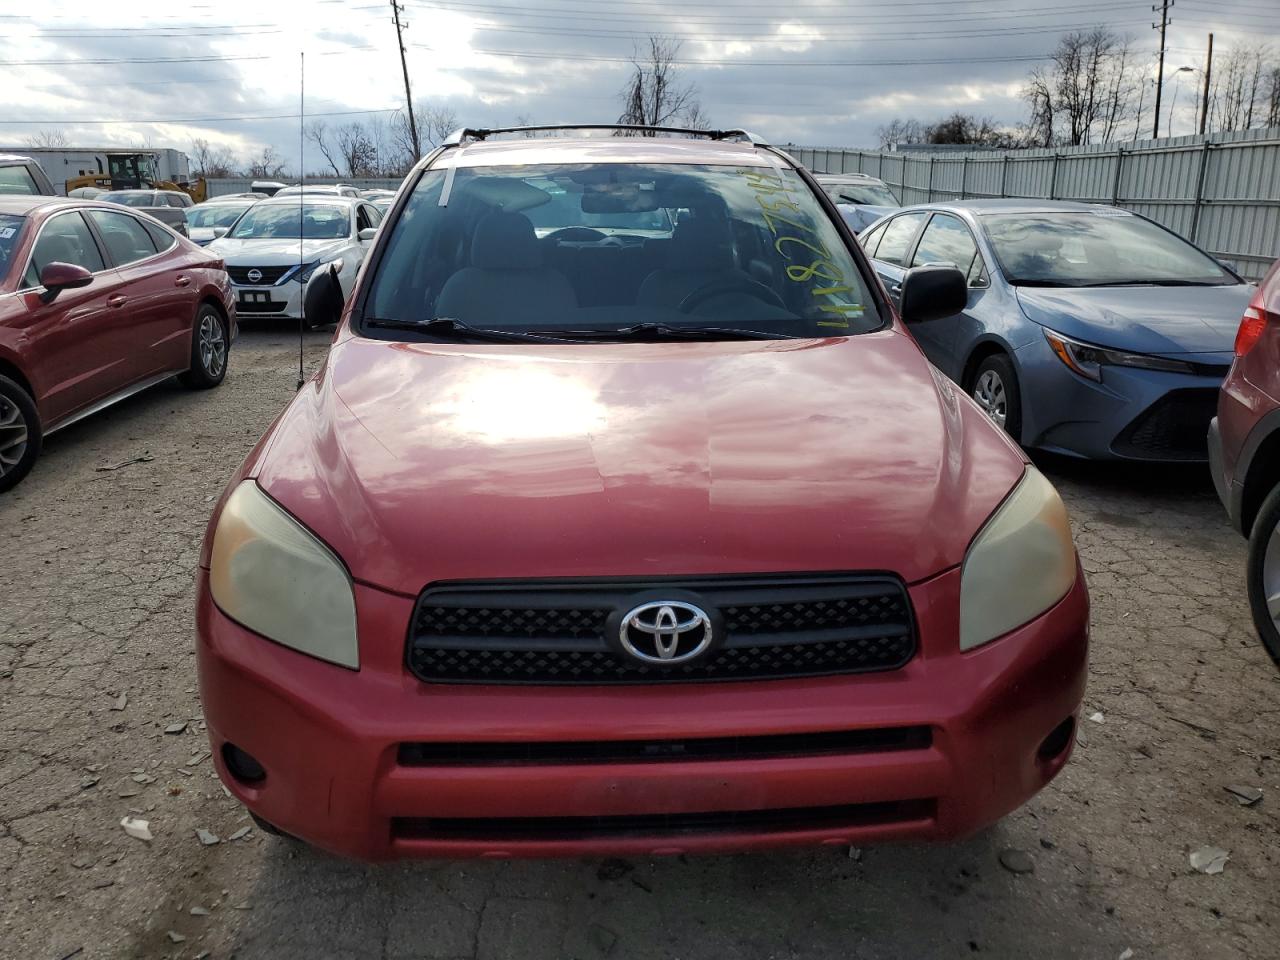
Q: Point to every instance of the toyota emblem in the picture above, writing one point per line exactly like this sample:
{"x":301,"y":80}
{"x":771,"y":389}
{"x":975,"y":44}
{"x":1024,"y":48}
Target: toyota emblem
{"x":666,"y":632}
{"x":254,"y":275}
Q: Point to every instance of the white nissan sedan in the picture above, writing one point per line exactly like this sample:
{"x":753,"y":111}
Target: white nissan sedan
{"x":275,"y":249}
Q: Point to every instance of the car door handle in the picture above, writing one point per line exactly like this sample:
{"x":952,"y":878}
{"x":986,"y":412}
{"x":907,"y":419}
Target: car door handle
{"x":182,"y":282}
{"x":896,"y":289}
{"x":117,"y":301}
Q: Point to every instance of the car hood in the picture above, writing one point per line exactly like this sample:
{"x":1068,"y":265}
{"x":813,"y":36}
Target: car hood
{"x":1156,"y":320}
{"x":273,"y":253}
{"x":426,"y":462}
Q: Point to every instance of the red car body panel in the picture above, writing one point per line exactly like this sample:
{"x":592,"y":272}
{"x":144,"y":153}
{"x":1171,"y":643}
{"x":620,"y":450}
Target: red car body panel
{"x":1249,"y":414}
{"x":130,"y":325}
{"x":329,"y":737}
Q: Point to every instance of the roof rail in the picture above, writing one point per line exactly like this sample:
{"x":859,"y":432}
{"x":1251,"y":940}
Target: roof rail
{"x":480,"y":133}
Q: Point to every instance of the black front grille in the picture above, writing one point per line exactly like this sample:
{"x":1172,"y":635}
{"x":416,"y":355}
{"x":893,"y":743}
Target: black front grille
{"x":785,"y":820}
{"x":270,"y":275}
{"x":248,"y":309}
{"x":560,"y":631}
{"x":770,"y":746}
{"x":1175,"y":427}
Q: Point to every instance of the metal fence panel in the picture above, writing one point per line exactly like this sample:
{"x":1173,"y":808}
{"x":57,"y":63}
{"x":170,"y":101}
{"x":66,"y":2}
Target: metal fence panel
{"x":1220,"y":191}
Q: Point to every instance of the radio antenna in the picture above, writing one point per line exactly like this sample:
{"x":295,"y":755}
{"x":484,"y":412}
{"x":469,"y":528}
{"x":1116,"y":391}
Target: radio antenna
{"x":302,"y":178}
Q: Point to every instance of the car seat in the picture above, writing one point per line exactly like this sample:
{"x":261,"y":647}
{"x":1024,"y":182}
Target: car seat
{"x":700,"y":253}
{"x":507,"y":279}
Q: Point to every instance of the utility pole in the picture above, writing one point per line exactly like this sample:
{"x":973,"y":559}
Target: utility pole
{"x":397,"y":9}
{"x":1161,"y":8}
{"x":1204,"y":102}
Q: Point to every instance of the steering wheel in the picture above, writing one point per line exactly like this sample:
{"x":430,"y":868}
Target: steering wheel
{"x":718,"y":288}
{"x":575,"y":235}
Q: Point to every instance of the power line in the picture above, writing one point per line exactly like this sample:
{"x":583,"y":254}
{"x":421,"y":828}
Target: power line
{"x":108,"y":60}
{"x":520,"y":54}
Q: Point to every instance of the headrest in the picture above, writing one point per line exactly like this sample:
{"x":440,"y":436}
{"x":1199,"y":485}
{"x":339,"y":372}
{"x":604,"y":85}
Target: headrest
{"x":505,"y":241}
{"x":701,"y":244}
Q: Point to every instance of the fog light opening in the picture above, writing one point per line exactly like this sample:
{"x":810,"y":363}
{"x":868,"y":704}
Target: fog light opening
{"x":1056,"y":743}
{"x":241,"y":765}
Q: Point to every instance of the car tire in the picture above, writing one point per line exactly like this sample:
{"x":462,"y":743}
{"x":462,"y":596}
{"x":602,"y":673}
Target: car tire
{"x":994,"y":387}
{"x":210,"y":346}
{"x":20,"y":433}
{"x":1259,"y":579}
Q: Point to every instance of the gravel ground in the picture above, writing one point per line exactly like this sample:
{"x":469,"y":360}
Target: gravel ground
{"x":96,"y":662}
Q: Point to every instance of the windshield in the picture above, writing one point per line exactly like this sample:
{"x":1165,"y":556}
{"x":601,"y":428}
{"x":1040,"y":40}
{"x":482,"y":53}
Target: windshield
{"x":871,"y":194}
{"x":218,"y":215}
{"x":281,"y":221}
{"x":10,"y":231}
{"x":601,"y":247}
{"x":1106,"y":247}
{"x":128,"y":199}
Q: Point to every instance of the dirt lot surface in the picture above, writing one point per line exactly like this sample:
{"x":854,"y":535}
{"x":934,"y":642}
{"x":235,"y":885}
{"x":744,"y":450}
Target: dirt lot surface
{"x":96,"y":662}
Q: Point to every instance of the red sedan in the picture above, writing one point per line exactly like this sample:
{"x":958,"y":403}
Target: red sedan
{"x":626,"y":516}
{"x":97,"y":303}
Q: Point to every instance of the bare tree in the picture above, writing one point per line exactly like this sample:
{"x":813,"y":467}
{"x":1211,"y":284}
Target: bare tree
{"x":655,"y":96}
{"x":434,"y":124}
{"x":356,"y":149}
{"x":211,"y":160}
{"x":898,"y":130}
{"x":317,"y":131}
{"x":1039,"y":94}
{"x":1244,"y":89}
{"x":267,"y":165}
{"x":1085,"y":93}
{"x":1273,"y":98}
{"x":48,"y":139}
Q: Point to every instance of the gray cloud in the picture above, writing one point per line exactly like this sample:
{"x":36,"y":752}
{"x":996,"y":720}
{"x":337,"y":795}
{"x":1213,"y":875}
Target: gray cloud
{"x":803,"y":102}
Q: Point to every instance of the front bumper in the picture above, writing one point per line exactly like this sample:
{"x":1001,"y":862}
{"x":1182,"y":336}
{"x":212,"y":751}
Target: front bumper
{"x":282,"y":300}
{"x":1133,"y":414}
{"x":329,"y":741}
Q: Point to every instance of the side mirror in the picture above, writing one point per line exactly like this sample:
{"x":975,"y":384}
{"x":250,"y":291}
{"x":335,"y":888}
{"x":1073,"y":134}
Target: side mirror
{"x":368,"y":233}
{"x":220,"y":232}
{"x":322,"y":303}
{"x":56,"y":277}
{"x":932,"y":292}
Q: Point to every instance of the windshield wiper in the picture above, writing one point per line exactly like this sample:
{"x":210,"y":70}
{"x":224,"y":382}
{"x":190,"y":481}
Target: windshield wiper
{"x":1019,"y":282}
{"x":1170,"y":282}
{"x":645,"y":330}
{"x":445,"y":326}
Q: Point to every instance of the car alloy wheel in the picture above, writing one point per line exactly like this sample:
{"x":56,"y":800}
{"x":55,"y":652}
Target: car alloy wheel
{"x":213,"y":345}
{"x":13,"y":435}
{"x":989,"y":393}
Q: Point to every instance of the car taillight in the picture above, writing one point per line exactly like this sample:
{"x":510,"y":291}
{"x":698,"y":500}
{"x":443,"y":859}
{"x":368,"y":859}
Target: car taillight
{"x":1252,"y":324}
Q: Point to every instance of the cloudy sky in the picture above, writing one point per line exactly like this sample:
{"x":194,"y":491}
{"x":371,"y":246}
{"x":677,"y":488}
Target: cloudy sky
{"x":811,"y":72}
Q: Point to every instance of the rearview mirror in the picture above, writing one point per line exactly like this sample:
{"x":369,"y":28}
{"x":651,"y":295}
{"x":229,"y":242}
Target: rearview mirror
{"x":56,"y":277}
{"x":368,"y":233}
{"x":932,"y":292}
{"x":220,"y":232}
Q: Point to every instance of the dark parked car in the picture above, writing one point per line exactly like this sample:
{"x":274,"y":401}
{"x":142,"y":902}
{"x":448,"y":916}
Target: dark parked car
{"x":97,"y":303}
{"x":1244,"y":452}
{"x":861,"y":199}
{"x":627,"y":518}
{"x":168,"y":206}
{"x":1089,"y":331}
{"x":24,"y":176}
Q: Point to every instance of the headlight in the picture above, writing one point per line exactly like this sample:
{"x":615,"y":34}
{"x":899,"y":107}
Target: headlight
{"x":303,"y":275}
{"x":1019,"y":565}
{"x":269,"y":573}
{"x":1088,"y":360}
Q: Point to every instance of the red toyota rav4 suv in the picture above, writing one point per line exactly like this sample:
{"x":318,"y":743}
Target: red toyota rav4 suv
{"x":626,"y":516}
{"x":1244,"y":452}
